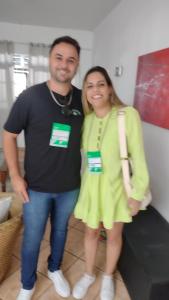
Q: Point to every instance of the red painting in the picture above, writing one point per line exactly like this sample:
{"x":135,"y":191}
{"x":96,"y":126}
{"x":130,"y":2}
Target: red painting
{"x":152,"y":88}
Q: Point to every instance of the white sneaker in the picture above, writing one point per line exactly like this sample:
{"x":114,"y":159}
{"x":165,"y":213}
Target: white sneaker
{"x":25,"y":294}
{"x":81,"y":287}
{"x":60,"y":283}
{"x":107,"y":288}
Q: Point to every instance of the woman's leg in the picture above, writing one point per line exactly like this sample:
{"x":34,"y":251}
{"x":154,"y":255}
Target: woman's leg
{"x":113,"y":249}
{"x":90,"y":245}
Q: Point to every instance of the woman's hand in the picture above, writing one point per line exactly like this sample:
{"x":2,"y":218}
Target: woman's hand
{"x":134,"y":206}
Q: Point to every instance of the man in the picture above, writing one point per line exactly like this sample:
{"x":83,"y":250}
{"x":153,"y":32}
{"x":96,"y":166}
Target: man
{"x":51,"y":116}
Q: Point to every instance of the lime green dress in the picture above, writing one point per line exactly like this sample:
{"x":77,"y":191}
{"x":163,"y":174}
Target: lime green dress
{"x":102,"y":196}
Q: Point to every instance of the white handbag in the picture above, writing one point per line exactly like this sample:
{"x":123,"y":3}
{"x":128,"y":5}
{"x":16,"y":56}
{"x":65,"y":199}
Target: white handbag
{"x":125,"y":161}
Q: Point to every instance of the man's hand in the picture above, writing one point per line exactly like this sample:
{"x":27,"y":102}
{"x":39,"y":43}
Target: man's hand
{"x":134,"y":206}
{"x":20,"y":187}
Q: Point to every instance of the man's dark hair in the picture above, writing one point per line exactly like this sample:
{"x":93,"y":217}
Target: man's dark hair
{"x":68,"y":40}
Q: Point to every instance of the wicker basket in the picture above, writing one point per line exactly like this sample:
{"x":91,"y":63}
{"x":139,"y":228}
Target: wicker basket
{"x":9,"y":230}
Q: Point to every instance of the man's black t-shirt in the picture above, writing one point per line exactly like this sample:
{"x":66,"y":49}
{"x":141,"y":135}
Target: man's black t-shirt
{"x":47,"y":168}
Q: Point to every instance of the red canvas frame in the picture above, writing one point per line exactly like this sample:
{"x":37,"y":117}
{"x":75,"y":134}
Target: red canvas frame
{"x":152,"y":88}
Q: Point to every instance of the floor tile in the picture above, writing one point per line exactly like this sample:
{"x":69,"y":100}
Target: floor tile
{"x":73,"y":221}
{"x":74,"y":243}
{"x":13,"y":281}
{"x":121,"y":291}
{"x":73,"y":267}
{"x":49,"y":294}
{"x":43,"y":284}
{"x":80,"y":226}
{"x":15,"y":265}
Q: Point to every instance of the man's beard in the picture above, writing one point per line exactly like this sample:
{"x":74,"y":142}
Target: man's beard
{"x":58,"y":78}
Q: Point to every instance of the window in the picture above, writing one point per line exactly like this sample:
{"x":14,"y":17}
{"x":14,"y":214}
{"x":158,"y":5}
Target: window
{"x":20,"y":73}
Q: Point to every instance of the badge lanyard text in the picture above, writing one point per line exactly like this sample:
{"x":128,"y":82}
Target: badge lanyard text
{"x":60,"y":135}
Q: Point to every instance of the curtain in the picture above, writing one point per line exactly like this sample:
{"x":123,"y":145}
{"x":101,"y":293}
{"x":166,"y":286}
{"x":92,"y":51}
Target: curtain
{"x":6,"y":73}
{"x":38,"y":63}
{"x":6,"y":81}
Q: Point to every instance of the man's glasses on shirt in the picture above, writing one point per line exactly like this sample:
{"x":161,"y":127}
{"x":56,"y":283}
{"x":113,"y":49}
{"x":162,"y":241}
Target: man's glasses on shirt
{"x":66,"y":111}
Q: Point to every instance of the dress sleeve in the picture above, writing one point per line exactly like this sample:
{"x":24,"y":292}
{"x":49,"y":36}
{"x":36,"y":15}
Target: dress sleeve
{"x":140,"y":176}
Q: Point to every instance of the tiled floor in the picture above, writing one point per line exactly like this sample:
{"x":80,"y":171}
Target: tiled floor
{"x":73,"y":267}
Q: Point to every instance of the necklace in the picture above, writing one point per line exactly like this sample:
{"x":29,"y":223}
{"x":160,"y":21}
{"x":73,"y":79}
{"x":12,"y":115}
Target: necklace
{"x":57,"y":101}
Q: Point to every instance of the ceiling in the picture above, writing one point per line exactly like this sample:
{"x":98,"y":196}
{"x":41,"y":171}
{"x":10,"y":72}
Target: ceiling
{"x":72,"y":14}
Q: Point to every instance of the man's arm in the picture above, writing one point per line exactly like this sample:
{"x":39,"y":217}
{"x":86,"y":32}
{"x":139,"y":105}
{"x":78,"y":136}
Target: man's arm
{"x":11,"y":156}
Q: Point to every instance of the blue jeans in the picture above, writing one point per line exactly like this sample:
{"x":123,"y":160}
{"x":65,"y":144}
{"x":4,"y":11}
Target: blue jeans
{"x":35,"y":215}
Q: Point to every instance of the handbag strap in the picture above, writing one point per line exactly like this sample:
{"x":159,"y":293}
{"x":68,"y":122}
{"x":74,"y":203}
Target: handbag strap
{"x":123,"y":150}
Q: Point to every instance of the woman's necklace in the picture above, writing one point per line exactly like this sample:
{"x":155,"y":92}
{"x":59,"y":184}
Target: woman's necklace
{"x":57,"y":101}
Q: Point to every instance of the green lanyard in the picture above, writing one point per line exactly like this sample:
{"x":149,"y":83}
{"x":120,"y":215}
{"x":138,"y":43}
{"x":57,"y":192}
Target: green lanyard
{"x":94,"y":158}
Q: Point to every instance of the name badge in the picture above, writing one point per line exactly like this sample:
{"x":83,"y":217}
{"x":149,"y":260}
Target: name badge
{"x":94,"y":162}
{"x":60,"y":135}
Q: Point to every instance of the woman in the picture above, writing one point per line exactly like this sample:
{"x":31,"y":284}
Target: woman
{"x":103,"y":200}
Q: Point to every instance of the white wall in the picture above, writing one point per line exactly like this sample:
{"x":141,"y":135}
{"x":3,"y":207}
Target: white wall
{"x":24,"y":34}
{"x":135,"y":28}
{"x":39,"y":34}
